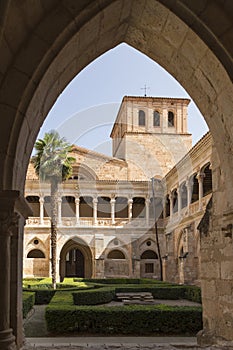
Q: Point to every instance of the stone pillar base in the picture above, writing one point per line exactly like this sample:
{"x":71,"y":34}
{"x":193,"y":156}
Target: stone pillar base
{"x":206,"y":338}
{"x":7,"y":340}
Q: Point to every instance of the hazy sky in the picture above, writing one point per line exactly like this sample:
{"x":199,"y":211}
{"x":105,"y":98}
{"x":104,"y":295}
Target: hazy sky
{"x":85,"y":111}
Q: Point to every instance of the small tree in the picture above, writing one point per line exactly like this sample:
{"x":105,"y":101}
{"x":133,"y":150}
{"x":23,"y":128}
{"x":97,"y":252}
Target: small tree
{"x":53,"y":164}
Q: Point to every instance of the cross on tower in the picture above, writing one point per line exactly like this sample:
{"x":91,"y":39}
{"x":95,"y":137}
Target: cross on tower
{"x":145,"y":88}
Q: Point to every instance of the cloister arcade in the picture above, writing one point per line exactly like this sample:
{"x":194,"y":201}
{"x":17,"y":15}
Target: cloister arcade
{"x":44,"y":46}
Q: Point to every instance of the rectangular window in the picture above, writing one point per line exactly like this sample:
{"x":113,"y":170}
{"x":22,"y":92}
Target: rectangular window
{"x":149,"y":268}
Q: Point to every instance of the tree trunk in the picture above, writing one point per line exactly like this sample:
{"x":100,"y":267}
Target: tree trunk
{"x":156,"y":232}
{"x":53,"y":237}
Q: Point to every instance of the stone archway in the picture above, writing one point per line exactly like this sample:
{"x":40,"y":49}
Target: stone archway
{"x":48,"y":45}
{"x":75,"y":259}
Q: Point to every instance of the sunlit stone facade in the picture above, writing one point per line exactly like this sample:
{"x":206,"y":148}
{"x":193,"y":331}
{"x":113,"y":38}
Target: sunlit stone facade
{"x":107,"y":209}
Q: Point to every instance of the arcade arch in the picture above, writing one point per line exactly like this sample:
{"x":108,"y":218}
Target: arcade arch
{"x":76,"y":259}
{"x":185,"y":39}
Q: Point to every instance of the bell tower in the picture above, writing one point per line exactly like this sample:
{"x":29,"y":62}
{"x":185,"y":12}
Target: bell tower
{"x":151,"y":132}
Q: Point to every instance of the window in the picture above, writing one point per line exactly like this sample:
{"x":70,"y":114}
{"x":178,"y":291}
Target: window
{"x":149,"y":268}
{"x":171,"y":119}
{"x":36,"y":253}
{"x":141,"y":118}
{"x":149,"y":254}
{"x":156,"y":118}
{"x":116,"y":254}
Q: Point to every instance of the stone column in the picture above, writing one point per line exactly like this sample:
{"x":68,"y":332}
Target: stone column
{"x":59,"y":204}
{"x":179,"y":199}
{"x":95,"y":202}
{"x":99,"y":255}
{"x":171,"y":204}
{"x":189,"y":194}
{"x":77,"y":201}
{"x":113,"y":201}
{"x":7,"y":339}
{"x":200,"y":178}
{"x":130,"y":209}
{"x":164,"y":207}
{"x":147,"y":202}
{"x":11,"y":270}
{"x":41,"y":210}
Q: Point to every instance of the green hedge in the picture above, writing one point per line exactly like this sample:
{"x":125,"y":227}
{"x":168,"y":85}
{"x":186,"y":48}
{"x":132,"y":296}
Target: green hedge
{"x":122,"y":281}
{"x":94,"y":297}
{"x":106,"y":294}
{"x":28,"y":302}
{"x":158,"y":292}
{"x":43,"y":296}
{"x":139,"y":320}
{"x":193,"y":293}
{"x":110,"y":280}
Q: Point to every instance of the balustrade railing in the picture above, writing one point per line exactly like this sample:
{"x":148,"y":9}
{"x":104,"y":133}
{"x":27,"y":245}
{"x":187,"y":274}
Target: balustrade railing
{"x":118,"y":222}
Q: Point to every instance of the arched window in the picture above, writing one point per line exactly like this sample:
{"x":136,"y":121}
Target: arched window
{"x":141,"y":118}
{"x":36,"y":254}
{"x":156,"y":119}
{"x":171,"y":119}
{"x":116,"y":254}
{"x":184,"y":195}
{"x":167,"y":206}
{"x":207,"y":180}
{"x":175,"y":201}
{"x":149,"y":254}
{"x":195,"y":189}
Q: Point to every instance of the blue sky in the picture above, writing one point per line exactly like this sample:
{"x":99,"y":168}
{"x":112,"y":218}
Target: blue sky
{"x":86,"y":109}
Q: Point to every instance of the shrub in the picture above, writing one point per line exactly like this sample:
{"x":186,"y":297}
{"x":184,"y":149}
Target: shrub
{"x":140,"y":320}
{"x":28,"y":302}
{"x":135,"y":281}
{"x":193,"y":293}
{"x":110,"y":280}
{"x":43,"y":296}
{"x":94,"y":297}
{"x":158,"y":292}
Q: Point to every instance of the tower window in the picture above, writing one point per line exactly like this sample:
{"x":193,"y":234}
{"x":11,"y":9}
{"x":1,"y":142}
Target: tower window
{"x":141,"y":118}
{"x":156,"y":118}
{"x":171,"y":119}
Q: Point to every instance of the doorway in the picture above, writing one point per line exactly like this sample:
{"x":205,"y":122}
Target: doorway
{"x":75,"y":263}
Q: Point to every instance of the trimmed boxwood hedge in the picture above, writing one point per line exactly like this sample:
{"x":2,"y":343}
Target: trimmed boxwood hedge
{"x":94,"y":297}
{"x":43,"y":296}
{"x":28,"y":302}
{"x":193,"y":293}
{"x":106,"y":294}
{"x":43,"y":288}
{"x":140,"y":320}
{"x":110,"y":280}
{"x":158,"y":292}
{"x":123,"y":281}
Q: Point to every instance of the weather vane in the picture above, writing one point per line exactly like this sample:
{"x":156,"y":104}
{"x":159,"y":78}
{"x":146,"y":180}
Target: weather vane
{"x":145,"y":88}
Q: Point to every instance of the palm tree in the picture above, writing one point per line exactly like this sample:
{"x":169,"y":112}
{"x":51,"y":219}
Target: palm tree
{"x":156,"y":227}
{"x":53,"y":164}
